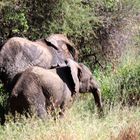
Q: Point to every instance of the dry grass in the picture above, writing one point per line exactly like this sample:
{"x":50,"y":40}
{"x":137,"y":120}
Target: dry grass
{"x":131,"y":132}
{"x":78,"y":124}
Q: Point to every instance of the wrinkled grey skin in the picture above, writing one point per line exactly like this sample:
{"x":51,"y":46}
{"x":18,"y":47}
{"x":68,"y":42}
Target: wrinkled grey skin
{"x":18,"y":54}
{"x":88,"y":83}
{"x":41,"y":89}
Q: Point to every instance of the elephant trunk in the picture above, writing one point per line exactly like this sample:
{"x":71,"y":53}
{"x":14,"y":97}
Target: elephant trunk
{"x":97,"y":97}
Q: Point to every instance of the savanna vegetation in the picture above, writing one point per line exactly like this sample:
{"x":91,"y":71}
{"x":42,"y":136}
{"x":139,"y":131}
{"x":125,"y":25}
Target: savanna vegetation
{"x":107,"y":35}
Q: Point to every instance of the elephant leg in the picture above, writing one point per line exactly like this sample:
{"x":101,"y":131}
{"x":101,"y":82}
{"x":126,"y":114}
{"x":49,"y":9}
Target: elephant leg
{"x":2,"y":115}
{"x":62,"y":110}
{"x":41,"y":111}
{"x":67,"y":101}
{"x":39,"y":105}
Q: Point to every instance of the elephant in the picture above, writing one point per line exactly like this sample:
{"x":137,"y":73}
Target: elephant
{"x":18,"y":54}
{"x":38,"y":90}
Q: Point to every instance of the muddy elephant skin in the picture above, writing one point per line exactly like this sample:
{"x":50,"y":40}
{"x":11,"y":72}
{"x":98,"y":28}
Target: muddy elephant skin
{"x":41,"y":89}
{"x":18,"y":54}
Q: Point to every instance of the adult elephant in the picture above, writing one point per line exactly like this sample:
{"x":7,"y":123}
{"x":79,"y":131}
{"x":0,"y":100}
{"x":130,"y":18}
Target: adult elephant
{"x":40,"y":90}
{"x":18,"y":54}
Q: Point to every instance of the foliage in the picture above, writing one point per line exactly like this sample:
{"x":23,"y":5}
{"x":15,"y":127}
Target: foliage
{"x":89,"y":24}
{"x":24,"y":18}
{"x":122,"y":84}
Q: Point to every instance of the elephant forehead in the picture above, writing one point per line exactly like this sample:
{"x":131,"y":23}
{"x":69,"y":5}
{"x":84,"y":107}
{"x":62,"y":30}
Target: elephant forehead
{"x":85,"y":69}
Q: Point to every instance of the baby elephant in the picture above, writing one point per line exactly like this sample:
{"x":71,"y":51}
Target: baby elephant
{"x":38,"y":90}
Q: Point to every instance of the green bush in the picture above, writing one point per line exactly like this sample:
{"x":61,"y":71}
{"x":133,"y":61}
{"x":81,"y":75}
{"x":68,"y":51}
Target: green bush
{"x":89,"y":25}
{"x":122,"y":85}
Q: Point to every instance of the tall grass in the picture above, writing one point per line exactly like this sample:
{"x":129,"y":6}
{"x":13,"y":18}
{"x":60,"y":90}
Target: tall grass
{"x":118,"y":123}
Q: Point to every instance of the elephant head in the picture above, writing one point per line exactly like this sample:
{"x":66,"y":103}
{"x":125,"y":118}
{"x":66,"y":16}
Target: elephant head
{"x":85,"y":82}
{"x":89,"y":84}
{"x":61,"y":42}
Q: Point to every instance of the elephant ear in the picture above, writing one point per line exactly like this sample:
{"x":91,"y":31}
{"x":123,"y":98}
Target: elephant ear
{"x":74,"y":52}
{"x":75,"y":72}
{"x":61,"y":42}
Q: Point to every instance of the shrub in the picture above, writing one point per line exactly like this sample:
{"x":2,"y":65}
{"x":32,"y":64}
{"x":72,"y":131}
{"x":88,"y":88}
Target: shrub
{"x":100,"y":28}
{"x":122,"y":84}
